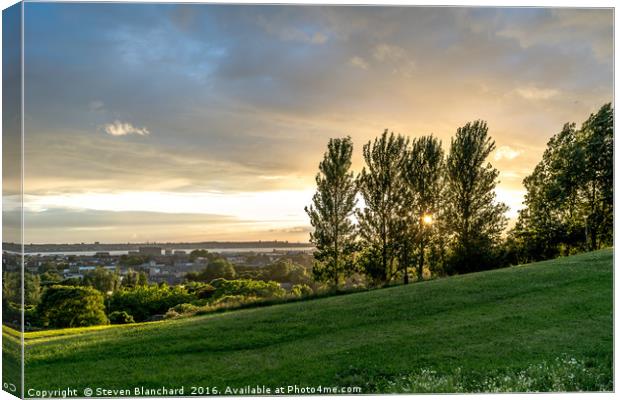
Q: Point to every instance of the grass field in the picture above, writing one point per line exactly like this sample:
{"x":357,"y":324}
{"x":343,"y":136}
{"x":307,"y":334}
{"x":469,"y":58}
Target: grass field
{"x":543,"y":326}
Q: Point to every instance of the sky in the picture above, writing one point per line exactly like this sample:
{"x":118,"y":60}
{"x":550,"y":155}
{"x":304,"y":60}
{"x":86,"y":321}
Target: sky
{"x":207,"y":122}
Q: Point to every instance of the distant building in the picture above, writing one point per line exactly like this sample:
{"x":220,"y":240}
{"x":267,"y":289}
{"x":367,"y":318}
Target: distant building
{"x":150,"y":251}
{"x":168,"y":252}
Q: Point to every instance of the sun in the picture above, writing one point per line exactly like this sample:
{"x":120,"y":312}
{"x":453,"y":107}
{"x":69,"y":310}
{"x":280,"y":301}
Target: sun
{"x":427,"y":219}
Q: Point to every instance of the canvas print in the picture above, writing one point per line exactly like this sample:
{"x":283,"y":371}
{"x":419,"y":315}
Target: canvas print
{"x":236,"y":199}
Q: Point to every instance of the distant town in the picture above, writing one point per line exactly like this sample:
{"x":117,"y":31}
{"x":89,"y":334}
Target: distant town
{"x":161,"y":264}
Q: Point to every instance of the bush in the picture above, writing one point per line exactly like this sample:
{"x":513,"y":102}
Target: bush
{"x":217,"y":268}
{"x":170,"y":314}
{"x":226,"y":303}
{"x":120,"y":317}
{"x":234,"y":301}
{"x":247,"y":288}
{"x":301,"y":290}
{"x":145,"y":301}
{"x":184,"y":308}
{"x":70,"y":306}
{"x":205,"y":292}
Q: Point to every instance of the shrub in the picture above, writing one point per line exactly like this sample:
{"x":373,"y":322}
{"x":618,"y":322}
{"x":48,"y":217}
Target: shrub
{"x":184,"y":308}
{"x":227,"y":302}
{"x":70,"y":306}
{"x":248,"y":288}
{"x":301,"y":290}
{"x":145,"y":301}
{"x":234,"y":301}
{"x":217,"y":268}
{"x":120,"y":317}
{"x":170,"y":314}
{"x":205,"y":292}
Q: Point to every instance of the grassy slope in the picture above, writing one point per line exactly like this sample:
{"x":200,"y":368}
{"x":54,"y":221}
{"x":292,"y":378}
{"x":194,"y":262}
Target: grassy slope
{"x":508,"y":318}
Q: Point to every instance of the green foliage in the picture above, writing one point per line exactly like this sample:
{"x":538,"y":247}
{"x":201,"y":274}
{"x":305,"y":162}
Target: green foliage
{"x":472,"y":218}
{"x":381,"y":226}
{"x":423,"y":172}
{"x":134,"y":279}
{"x":301,"y":290}
{"x":184,"y":308}
{"x":569,"y":200}
{"x":120,"y":317}
{"x":70,"y":306}
{"x":330,"y":213}
{"x":205,"y":291}
{"x":247,"y":287}
{"x":284,"y":270}
{"x":143,"y":302}
{"x":199,"y":253}
{"x":51,"y":277}
{"x":133,"y":259}
{"x":489,"y":324}
{"x":12,"y":288}
{"x":102,"y":280}
{"x":217,"y":268}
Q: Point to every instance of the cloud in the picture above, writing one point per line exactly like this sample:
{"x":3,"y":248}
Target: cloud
{"x":535,"y":93}
{"x":386,"y":52}
{"x":118,"y":128}
{"x":397,"y":57}
{"x":96,"y":105}
{"x":239,"y":104}
{"x":506,"y":153}
{"x":559,"y":26}
{"x":358,"y":62}
{"x":291,"y":34}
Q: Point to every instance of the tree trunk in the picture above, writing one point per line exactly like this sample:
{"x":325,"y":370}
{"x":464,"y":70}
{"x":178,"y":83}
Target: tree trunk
{"x":421,"y":262}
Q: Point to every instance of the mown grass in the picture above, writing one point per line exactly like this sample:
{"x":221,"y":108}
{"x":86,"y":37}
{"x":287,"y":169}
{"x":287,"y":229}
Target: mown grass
{"x":466,"y":329}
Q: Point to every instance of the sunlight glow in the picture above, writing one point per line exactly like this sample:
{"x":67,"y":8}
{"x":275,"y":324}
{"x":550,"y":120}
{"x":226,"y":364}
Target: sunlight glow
{"x":427,"y":219}
{"x":269,"y":206}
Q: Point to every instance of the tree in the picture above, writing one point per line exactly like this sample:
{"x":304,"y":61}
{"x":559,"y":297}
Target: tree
{"x":70,"y":306}
{"x":12,"y":288}
{"x":330,"y":213}
{"x":381,"y":220}
{"x":217,"y":268}
{"x":476,"y":219}
{"x":199,"y":253}
{"x":596,"y":138}
{"x":247,"y":288}
{"x":569,"y":200}
{"x":143,"y":302}
{"x":134,"y":279}
{"x":102,"y":280}
{"x":120,"y":317}
{"x":423,"y":169}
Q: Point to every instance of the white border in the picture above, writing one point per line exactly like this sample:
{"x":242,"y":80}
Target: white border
{"x":484,"y":3}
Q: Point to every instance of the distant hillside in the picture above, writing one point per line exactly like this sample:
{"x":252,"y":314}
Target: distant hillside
{"x":75,"y":247}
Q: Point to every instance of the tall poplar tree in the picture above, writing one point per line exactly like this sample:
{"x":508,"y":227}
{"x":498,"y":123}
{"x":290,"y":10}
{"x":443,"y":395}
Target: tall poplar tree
{"x":330,"y":214}
{"x":382,"y":189}
{"x":476,"y":220}
{"x":423,"y":171}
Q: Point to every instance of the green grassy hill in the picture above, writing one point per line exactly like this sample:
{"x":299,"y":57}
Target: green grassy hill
{"x":456,"y":332}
